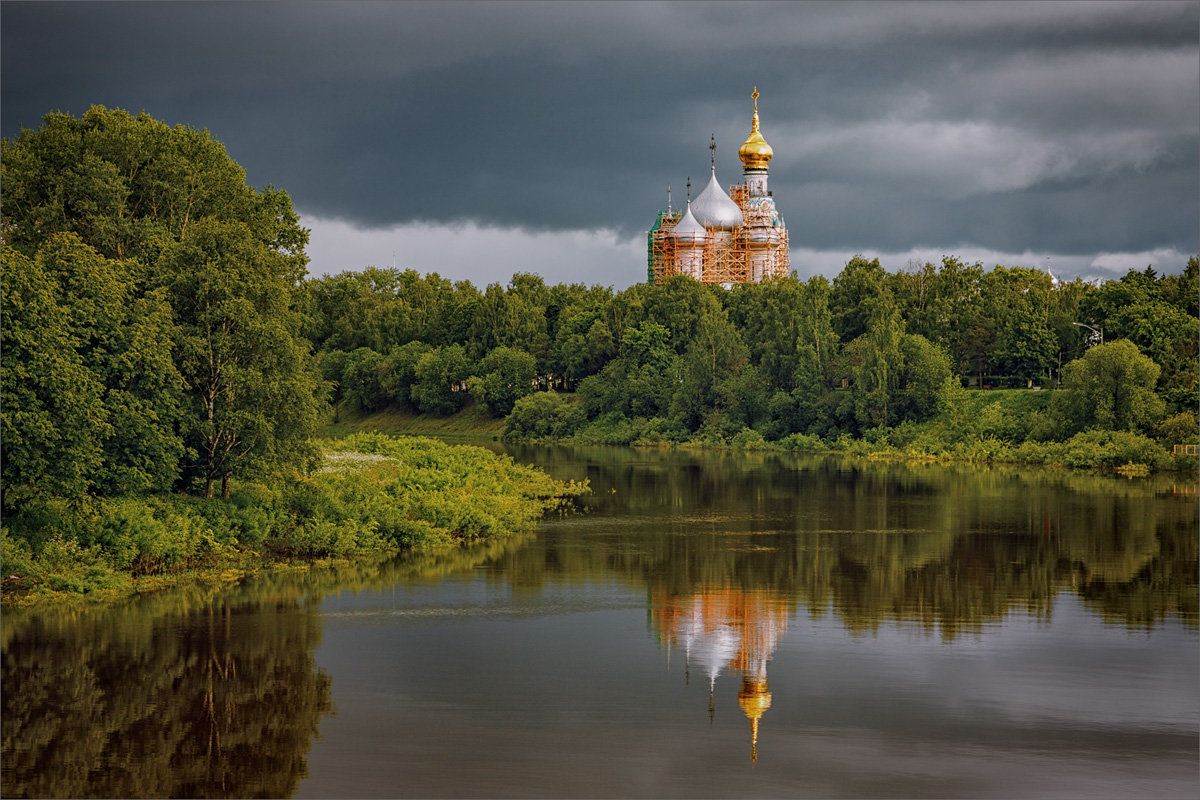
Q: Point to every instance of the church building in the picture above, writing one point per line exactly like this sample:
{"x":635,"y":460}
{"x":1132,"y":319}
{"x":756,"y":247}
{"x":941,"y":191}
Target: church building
{"x":725,"y":238}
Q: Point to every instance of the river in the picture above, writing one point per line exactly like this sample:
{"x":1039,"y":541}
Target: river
{"x":709,"y":624}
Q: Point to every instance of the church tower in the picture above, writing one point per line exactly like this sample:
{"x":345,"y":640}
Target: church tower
{"x":764,"y":235}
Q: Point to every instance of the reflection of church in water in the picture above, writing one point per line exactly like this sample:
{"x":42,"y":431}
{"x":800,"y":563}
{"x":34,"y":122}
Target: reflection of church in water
{"x":727,"y":628}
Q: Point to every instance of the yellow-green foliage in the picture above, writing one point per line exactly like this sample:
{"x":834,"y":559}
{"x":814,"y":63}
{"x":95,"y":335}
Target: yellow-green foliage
{"x":374,"y":494}
{"x":416,"y":491}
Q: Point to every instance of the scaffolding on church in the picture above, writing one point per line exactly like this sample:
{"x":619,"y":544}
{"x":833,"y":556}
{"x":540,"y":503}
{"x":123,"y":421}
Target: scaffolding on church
{"x":757,"y":250}
{"x":660,"y":246}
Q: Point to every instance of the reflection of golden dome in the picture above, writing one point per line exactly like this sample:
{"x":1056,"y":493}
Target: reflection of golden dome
{"x":755,"y":152}
{"x":754,"y":699}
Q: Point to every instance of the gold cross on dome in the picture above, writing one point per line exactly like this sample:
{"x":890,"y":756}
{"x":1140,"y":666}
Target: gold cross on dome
{"x":754,"y":94}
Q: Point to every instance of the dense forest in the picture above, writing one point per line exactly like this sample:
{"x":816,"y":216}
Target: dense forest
{"x":870,"y":352}
{"x":162,"y":344}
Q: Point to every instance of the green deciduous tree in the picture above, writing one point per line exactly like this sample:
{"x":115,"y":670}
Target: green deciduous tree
{"x":858,"y":283}
{"x":583,"y":343}
{"x":125,"y":337}
{"x":924,"y":370}
{"x":709,"y":370}
{"x":786,"y":326}
{"x":398,"y":372}
{"x":128,"y":185}
{"x":361,"y":381}
{"x":1112,"y":387}
{"x":504,"y":376}
{"x":1017,"y":300}
{"x":1183,"y":290}
{"x":876,"y":362}
{"x":71,"y":311}
{"x":173,"y":221}
{"x":251,"y":393}
{"x":54,"y":421}
{"x":440,"y":378}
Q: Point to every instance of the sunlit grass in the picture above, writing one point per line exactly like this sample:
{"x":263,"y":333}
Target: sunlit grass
{"x":469,"y":423}
{"x":375,"y":494}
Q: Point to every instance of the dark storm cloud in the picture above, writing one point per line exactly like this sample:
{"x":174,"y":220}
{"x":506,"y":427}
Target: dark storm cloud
{"x":1066,"y":127}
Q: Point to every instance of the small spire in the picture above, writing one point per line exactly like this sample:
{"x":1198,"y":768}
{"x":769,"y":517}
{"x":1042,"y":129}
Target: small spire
{"x":668,"y":198}
{"x":712,"y":152}
{"x":689,"y":188}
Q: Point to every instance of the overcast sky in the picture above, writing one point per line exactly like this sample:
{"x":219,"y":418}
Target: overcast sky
{"x":481,"y":139}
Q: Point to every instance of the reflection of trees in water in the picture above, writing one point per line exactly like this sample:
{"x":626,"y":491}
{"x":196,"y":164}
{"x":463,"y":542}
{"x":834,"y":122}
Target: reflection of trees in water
{"x":204,"y":691}
{"x":952,"y":548}
{"x":215,"y":702}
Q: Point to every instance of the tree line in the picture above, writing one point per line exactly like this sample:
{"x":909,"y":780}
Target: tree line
{"x":681,"y":359}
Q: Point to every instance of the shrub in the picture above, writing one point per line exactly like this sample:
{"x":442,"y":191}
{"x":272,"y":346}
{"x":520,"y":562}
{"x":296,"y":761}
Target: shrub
{"x":611,"y":428}
{"x":749,"y":439}
{"x":544,"y":415}
{"x":1181,"y":428}
{"x":1095,"y":448}
{"x":986,"y":450}
{"x":996,"y":421}
{"x":803,"y":441}
{"x":133,"y":539}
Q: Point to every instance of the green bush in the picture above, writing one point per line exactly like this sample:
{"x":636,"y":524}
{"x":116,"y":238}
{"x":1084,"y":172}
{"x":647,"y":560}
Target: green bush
{"x":375,"y":494}
{"x":1181,"y":428}
{"x":43,"y":518}
{"x":544,"y":415}
{"x":611,"y":428}
{"x":61,"y":564}
{"x":133,"y":539}
{"x":985,"y":450}
{"x":803,"y":441}
{"x":749,"y":439}
{"x":1002,"y":423}
{"x":1101,"y":448}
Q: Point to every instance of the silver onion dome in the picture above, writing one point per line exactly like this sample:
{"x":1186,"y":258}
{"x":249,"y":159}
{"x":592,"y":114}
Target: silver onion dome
{"x":688,"y":229}
{"x":714,"y":209}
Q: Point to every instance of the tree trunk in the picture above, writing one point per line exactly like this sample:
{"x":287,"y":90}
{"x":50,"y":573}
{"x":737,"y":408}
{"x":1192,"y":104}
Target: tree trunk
{"x":208,"y":488}
{"x":225,"y":486}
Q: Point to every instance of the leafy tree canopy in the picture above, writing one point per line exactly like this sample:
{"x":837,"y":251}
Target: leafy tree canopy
{"x":1112,"y":386}
{"x":178,"y":283}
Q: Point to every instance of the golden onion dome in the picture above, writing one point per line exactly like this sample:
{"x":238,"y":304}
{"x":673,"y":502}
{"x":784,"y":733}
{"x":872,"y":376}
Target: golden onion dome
{"x":755,"y":699}
{"x":755,"y":153}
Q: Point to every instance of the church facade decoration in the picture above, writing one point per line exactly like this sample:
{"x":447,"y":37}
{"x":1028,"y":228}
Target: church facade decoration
{"x":725,"y":238}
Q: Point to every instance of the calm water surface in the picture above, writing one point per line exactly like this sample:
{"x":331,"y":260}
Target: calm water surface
{"x":711,"y":625}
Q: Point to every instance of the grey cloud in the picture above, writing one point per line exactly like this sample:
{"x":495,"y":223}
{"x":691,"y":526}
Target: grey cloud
{"x":1015,"y":126}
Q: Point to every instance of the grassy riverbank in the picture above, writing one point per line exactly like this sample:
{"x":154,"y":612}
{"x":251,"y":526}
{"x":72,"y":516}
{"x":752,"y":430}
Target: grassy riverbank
{"x":374,"y":495}
{"x":1015,"y":426}
{"x":471,"y":423}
